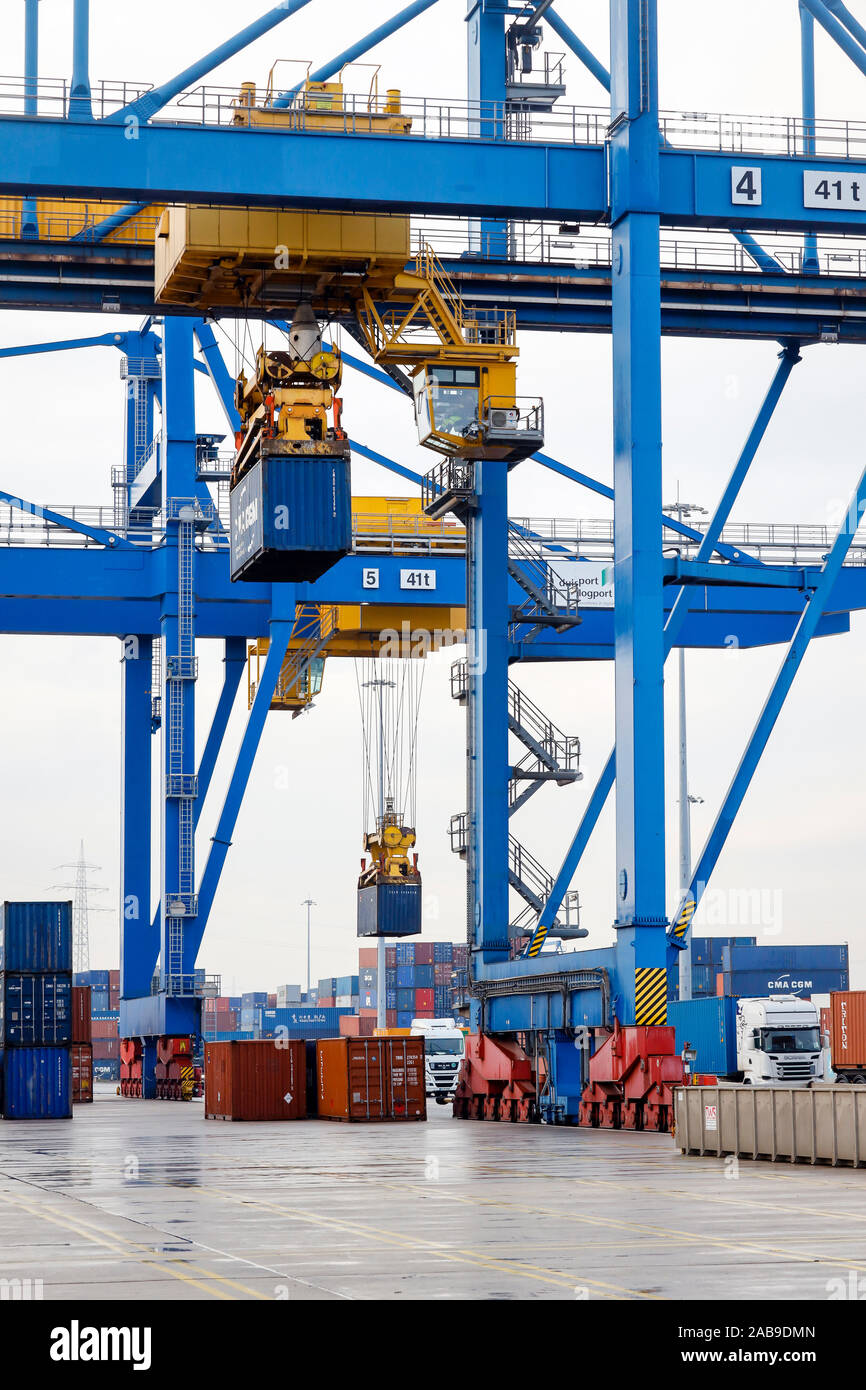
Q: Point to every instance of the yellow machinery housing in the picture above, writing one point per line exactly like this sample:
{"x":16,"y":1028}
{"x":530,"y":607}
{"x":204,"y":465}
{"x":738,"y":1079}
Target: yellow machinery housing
{"x":389,"y":847}
{"x":61,"y":220}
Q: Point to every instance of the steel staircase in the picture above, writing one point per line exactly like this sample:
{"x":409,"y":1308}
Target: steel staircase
{"x":550,"y":602}
{"x":528,"y":877}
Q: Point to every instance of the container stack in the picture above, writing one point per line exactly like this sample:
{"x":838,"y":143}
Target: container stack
{"x":35,"y":1011}
{"x":339,"y":992}
{"x":82,"y":1047}
{"x":222,"y":1014}
{"x":706,"y":964}
{"x":423,"y":980}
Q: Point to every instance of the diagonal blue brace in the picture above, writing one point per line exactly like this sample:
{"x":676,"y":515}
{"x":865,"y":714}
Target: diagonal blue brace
{"x":673,"y":626}
{"x":96,"y":533}
{"x":281,"y":624}
{"x":837,"y":31}
{"x":234,"y":662}
{"x":350,"y":55}
{"x":853,"y":25}
{"x":805,"y":631}
{"x":217,"y":371}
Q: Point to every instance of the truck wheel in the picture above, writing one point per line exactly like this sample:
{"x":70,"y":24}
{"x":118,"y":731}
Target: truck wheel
{"x":440,"y":1100}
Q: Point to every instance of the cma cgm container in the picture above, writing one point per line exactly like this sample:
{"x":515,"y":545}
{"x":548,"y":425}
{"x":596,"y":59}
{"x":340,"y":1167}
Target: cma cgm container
{"x":848,"y":1034}
{"x":709,"y":1026}
{"x":256,"y":1080}
{"x":35,"y":1083}
{"x":35,"y":937}
{"x":291,"y":517}
{"x":35,"y":1010}
{"x":758,"y":984}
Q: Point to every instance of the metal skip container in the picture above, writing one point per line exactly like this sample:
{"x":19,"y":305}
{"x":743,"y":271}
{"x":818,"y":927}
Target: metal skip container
{"x":255,"y":1080}
{"x":814,"y":1124}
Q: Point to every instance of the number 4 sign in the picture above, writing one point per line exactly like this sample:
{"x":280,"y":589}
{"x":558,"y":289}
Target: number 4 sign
{"x":746,"y":185}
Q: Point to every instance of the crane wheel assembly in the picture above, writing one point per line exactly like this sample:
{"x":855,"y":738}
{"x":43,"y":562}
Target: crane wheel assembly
{"x":496,"y":1082}
{"x":632,"y":1078}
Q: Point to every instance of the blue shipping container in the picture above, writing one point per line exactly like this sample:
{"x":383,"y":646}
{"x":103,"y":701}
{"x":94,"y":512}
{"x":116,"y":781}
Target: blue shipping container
{"x":405,"y":953}
{"x":35,"y":1010}
{"x":391,"y":977}
{"x":347,"y":984}
{"x":425,"y":977}
{"x":444,"y":1000}
{"x":390,"y":909}
{"x":391,"y":999}
{"x":710,"y":1027}
{"x":405,"y":976}
{"x":36,"y":937}
{"x":404,"y":1018}
{"x":99,"y":979}
{"x":443,"y":952}
{"x":291,"y":517}
{"x":35,"y":1083}
{"x":778,"y":958}
{"x":405,"y":999}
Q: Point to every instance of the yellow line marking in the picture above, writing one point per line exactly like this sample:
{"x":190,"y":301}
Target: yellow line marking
{"x":472,"y":1257}
{"x":91,"y":1231}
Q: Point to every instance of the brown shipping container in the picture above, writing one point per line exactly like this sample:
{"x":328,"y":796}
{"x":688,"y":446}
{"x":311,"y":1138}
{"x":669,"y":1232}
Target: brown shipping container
{"x":351,"y":1077}
{"x":255,"y":1080}
{"x":81,"y":1014}
{"x":368,"y":957}
{"x":104,"y":1028}
{"x":82,"y":1072}
{"x":371,"y":1079}
{"x":848,"y":1030}
{"x":105,"y":1049}
{"x":406,"y":1084}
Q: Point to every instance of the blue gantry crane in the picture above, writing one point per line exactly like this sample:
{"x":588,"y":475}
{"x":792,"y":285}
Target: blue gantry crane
{"x":697,"y":225}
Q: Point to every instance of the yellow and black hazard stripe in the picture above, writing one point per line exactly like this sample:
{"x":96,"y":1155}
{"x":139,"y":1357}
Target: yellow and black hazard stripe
{"x":537,"y":942}
{"x":650,"y":996}
{"x":681,"y":925}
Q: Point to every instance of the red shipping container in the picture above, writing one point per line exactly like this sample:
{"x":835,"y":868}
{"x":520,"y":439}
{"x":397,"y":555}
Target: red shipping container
{"x":272,"y":1001}
{"x":256,"y":1080}
{"x":423,"y":952}
{"x":368,"y":958}
{"x":353,"y":1026}
{"x":81,"y":1014}
{"x":425,"y":999}
{"x":81,"y":1055}
{"x":391,"y":1018}
{"x":105,"y":1049}
{"x":848,"y":1030}
{"x":105,"y":1028}
{"x":114,"y":979}
{"x":720,"y":986}
{"x":442,"y":972}
{"x":390,"y":957}
{"x":326,"y":1003}
{"x":425,"y":1013}
{"x":226,"y":1023}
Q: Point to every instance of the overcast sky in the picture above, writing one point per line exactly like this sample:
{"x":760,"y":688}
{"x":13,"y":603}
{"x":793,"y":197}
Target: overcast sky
{"x":799,"y":837}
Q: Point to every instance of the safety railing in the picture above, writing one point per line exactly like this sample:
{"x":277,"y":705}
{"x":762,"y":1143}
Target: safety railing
{"x":453,"y":118}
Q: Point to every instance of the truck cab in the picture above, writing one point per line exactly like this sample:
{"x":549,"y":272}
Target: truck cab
{"x":778,"y":1041}
{"x":443,"y":1053}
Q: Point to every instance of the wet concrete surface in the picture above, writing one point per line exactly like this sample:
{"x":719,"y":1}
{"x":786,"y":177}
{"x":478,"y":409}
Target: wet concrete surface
{"x":148,"y":1200}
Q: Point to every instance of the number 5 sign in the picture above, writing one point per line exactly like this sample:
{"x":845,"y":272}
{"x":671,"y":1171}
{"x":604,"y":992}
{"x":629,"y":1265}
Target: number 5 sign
{"x":746,"y":185}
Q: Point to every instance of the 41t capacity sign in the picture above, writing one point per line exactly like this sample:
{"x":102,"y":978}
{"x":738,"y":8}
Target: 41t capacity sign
{"x":830,"y":189}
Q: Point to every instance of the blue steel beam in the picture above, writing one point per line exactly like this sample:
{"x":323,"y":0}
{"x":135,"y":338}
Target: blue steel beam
{"x":807,"y":81}
{"x":762,"y":259}
{"x":852,"y":24}
{"x":180,"y":163}
{"x":80,"y":106}
{"x":234,"y":664}
{"x":139,"y":944}
{"x":358,"y":49}
{"x":29,"y":217}
{"x":775,"y":701}
{"x":218,"y":372}
{"x":147,"y":105}
{"x":837,"y":31}
{"x":280,"y":629}
{"x":673,"y":629}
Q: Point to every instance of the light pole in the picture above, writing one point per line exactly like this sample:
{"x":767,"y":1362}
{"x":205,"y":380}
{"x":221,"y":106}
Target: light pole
{"x":309,"y":904}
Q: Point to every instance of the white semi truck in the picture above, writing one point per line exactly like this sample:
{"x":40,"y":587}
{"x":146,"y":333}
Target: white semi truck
{"x":443,"y":1048}
{"x":779,"y":1040}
